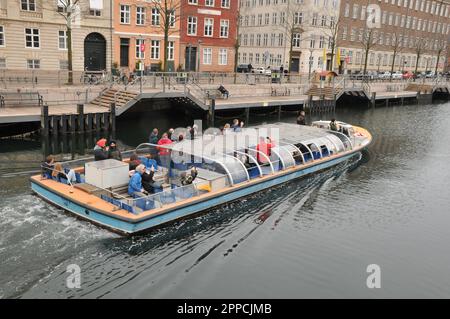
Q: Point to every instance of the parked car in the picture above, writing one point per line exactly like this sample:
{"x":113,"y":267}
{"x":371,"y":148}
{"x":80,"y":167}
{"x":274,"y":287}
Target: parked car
{"x":385,"y":75}
{"x":397,"y":75}
{"x":242,"y":68}
{"x":407,"y":75}
{"x":262,"y":70}
{"x":430,"y":74}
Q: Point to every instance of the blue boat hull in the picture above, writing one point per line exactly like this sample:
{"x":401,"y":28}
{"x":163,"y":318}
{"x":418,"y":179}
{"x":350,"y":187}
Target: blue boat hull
{"x":125,"y":227}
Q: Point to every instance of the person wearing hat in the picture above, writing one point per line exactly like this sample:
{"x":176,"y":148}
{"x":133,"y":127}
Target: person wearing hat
{"x":101,"y":151}
{"x":114,"y":152}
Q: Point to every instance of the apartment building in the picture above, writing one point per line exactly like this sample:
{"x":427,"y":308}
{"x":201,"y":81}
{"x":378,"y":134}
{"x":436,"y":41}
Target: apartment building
{"x":33,"y":35}
{"x":208,"y":35}
{"x":412,"y":33}
{"x":296,"y":34}
{"x":139,"y":27}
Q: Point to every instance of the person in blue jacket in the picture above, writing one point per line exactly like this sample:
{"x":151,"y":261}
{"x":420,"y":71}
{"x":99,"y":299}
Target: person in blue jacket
{"x":135,"y":185}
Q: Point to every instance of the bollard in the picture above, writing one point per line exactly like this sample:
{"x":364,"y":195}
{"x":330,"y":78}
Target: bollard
{"x":55,"y":124}
{"x":44,"y":120}
{"x":374,"y":94}
{"x":64,"y":123}
{"x":247,"y":115}
{"x":80,"y":112}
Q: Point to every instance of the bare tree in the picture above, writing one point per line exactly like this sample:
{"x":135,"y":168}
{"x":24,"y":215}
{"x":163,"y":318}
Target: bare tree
{"x":419,"y":47}
{"x":368,"y":39}
{"x":169,"y":13}
{"x":70,"y":11}
{"x":440,"y":47}
{"x":332,"y":32}
{"x":396,"y":44}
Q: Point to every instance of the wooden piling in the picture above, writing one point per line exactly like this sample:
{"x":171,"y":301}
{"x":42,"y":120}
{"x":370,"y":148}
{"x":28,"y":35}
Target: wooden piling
{"x":106,"y":121}
{"x":98,"y":121}
{"x":279,"y":113}
{"x":80,"y":112}
{"x":73,"y":122}
{"x":212,"y":112}
{"x":112,"y":117}
{"x":64,"y":123}
{"x":247,"y":115}
{"x":373,"y":99}
{"x":44,"y":120}
{"x":55,"y":124}
{"x":89,"y":121}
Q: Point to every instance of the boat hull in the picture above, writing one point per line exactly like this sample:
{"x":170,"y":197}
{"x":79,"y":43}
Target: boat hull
{"x":129,"y":228}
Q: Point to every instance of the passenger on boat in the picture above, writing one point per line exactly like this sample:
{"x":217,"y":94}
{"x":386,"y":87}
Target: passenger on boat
{"x":148,"y":183}
{"x":265,"y":146}
{"x":48,"y":166}
{"x":301,"y":120}
{"x":135,"y":184}
{"x":188,"y":179}
{"x":60,"y":174}
{"x":170,"y":134}
{"x":114,"y":152}
{"x":237,"y":126}
{"x":153,"y":139}
{"x":227,"y":129}
{"x":134,"y":162}
{"x":101,"y":150}
{"x":333,"y":125}
{"x":164,"y":153}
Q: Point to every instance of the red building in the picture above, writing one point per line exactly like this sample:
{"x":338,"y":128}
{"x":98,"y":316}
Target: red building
{"x":208,"y":35}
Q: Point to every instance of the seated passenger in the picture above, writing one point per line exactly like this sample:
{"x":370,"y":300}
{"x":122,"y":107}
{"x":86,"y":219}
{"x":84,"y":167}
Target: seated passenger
{"x":264,"y":146}
{"x":58,"y":173}
{"x":148,"y":183}
{"x":224,"y":91}
{"x":135,"y":184}
{"x":333,"y":125}
{"x":188,"y":179}
{"x":237,"y":126}
{"x":134,"y":162}
{"x":101,"y":151}
{"x":114,"y":152}
{"x":48,"y":166}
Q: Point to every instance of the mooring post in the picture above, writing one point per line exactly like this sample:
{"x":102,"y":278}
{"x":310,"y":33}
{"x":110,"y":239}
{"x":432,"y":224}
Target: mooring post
{"x":44,"y":120}
{"x":247,"y":115}
{"x":98,"y":121}
{"x":112,"y":117}
{"x":279,"y":113}
{"x":80,"y":112}
{"x":387,"y":102}
{"x":374,"y":94}
{"x":64,"y":123}
{"x":55,"y":124}
{"x":212,"y":111}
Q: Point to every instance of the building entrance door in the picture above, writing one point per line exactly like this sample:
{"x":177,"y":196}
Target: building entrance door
{"x":191,"y":58}
{"x":94,"y":52}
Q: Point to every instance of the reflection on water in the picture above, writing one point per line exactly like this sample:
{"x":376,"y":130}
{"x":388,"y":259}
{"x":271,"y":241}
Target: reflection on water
{"x":308,"y":238}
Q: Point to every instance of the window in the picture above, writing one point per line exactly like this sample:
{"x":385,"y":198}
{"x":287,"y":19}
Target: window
{"x":266,"y":18}
{"x":62,"y":40}
{"x":258,"y":40}
{"x":192,"y":26}
{"x":63,"y":64}
{"x":140,"y":15}
{"x":61,"y":6}
{"x":314,"y":19}
{"x":280,"y":39}
{"x":193,"y":1}
{"x":2,"y":63}
{"x":225,"y":3}
{"x":223,"y":57}
{"x":355,"y":11}
{"x":298,"y":18}
{"x":172,"y":18}
{"x":347,"y":10}
{"x":154,"y":54}
{"x":257,"y":58}
{"x":125,"y":14}
{"x":296,"y":39}
{"x":209,"y":23}
{"x":170,"y":50}
{"x":224,"y":27}
{"x":2,"y":36}
{"x":95,"y":12}
{"x":140,"y":54}
{"x":274,"y":18}
{"x":32,"y":38}
{"x":155,"y":16}
{"x":207,"y":56}
{"x":265,"y":39}
{"x":28,"y":5}
{"x":344,"y":33}
{"x":323,"y":22}
{"x":209,"y":3}
{"x":33,"y":64}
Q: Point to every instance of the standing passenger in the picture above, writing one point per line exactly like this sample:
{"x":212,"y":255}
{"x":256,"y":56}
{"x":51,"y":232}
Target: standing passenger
{"x":101,"y":151}
{"x":164,"y":152}
{"x":153,"y":139}
{"x":301,"y":120}
{"x":114,"y":152}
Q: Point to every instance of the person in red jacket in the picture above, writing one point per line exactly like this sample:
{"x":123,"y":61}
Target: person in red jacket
{"x":164,"y":152}
{"x":264,"y":146}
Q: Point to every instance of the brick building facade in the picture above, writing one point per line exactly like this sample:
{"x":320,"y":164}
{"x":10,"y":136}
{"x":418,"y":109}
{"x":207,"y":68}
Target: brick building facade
{"x":208,"y":35}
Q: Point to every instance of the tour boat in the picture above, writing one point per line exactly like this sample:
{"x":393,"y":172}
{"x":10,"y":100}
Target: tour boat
{"x":230,"y":165}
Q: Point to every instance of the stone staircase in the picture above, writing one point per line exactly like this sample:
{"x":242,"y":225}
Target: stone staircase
{"x":120,"y":97}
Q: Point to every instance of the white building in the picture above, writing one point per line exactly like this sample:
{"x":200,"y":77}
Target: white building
{"x":268,"y":28}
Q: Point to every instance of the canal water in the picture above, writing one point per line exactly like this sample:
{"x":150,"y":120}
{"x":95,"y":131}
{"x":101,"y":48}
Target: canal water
{"x":308,"y":238}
